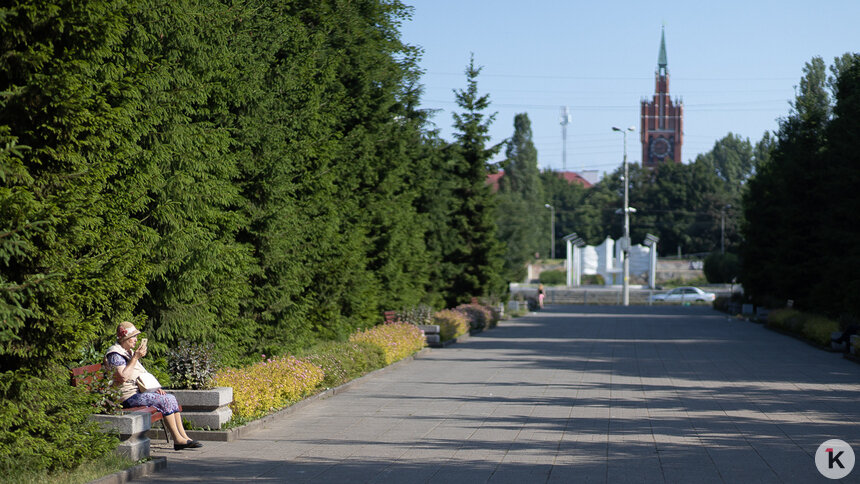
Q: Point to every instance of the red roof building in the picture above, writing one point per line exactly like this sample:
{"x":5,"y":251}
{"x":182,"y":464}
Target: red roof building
{"x":569,"y":176}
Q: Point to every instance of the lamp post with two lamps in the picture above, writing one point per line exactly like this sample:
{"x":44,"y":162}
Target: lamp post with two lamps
{"x":625,"y":245}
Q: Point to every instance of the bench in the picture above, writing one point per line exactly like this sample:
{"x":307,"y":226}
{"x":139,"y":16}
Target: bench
{"x":84,"y":375}
{"x":431,"y":334}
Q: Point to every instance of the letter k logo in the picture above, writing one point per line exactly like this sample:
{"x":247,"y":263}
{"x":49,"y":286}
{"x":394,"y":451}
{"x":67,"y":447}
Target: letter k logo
{"x":834,"y":458}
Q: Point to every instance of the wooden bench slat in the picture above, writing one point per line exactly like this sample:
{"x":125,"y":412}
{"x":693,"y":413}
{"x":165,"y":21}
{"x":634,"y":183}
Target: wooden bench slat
{"x":84,"y":376}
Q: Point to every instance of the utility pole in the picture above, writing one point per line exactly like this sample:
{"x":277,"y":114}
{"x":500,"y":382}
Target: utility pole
{"x":565,"y":120}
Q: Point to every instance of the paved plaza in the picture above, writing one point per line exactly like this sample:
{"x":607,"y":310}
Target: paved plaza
{"x":570,"y":394}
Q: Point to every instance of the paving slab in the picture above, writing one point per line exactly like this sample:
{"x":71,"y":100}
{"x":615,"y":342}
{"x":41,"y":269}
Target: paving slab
{"x":570,"y":394}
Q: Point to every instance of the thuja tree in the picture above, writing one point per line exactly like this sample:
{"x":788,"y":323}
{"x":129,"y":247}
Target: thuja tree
{"x":286,"y":142}
{"x":238,"y":174}
{"x":72,"y":256}
{"x":778,"y":208}
{"x":797,"y":243}
{"x":191,"y":84}
{"x":381,"y":125}
{"x":327,"y":142}
{"x":835,"y":290}
{"x":435,"y":201}
{"x":520,"y":197}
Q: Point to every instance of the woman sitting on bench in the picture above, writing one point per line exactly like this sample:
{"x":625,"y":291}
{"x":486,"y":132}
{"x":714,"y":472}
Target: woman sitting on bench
{"x":125,"y":360}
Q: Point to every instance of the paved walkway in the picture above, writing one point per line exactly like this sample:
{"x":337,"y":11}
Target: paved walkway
{"x":571,"y":394}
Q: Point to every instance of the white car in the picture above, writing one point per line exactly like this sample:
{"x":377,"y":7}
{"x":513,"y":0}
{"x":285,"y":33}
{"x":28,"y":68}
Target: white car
{"x":684,"y":294}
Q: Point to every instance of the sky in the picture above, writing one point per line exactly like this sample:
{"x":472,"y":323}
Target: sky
{"x":733,"y":64}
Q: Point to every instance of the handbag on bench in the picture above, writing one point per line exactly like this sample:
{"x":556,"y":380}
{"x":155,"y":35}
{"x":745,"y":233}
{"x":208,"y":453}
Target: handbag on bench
{"x":147,"y":382}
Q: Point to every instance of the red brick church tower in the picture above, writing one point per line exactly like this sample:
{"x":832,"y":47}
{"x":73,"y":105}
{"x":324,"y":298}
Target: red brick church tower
{"x":662,"y":120}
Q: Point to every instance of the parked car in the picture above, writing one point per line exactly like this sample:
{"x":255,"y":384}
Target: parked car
{"x":684,"y":294}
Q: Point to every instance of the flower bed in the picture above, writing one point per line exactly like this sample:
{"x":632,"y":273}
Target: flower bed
{"x":345,"y":361}
{"x":480,"y":317}
{"x":276,"y":383}
{"x":451,"y":324}
{"x":812,"y":327}
{"x":397,"y":340}
{"x":269,"y":385}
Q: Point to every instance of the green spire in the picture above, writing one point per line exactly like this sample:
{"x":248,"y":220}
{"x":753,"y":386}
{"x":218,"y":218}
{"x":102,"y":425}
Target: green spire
{"x":661,"y":59}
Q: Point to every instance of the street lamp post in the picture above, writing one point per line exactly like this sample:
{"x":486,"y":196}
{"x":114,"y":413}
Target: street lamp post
{"x":723,"y":229}
{"x":551,"y":229}
{"x":625,"y":248}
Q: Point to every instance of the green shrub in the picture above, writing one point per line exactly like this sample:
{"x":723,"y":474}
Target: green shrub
{"x":721,"y":268}
{"x":90,"y":470}
{"x":44,"y":423}
{"x":785,"y":319}
{"x":818,"y":328}
{"x":495,"y":315}
{"x":553,"y":278}
{"x":344,"y":361}
{"x":192,"y":365}
{"x":680,"y":281}
{"x":396,"y":340}
{"x":451,"y":324}
{"x":592,"y":280}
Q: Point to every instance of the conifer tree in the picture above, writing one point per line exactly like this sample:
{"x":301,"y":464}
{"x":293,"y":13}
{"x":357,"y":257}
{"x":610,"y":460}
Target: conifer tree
{"x":379,"y":128}
{"x":834,"y":284}
{"x":475,"y":259}
{"x":520,"y":197}
{"x":200,"y":269}
{"x":434,"y":203}
{"x":778,"y":228}
{"x":73,"y":256}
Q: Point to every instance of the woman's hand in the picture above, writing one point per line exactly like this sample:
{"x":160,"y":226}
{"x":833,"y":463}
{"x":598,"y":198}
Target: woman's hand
{"x":160,"y":391}
{"x":140,"y":352}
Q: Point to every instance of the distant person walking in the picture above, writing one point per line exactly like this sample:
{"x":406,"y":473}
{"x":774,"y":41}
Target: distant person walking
{"x":541,"y":295}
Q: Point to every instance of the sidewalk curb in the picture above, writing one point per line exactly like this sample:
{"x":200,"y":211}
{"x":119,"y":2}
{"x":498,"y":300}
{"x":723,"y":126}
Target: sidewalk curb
{"x":137,"y":472}
{"x":243,"y":431}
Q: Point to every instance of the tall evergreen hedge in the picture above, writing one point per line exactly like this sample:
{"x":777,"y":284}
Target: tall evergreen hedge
{"x":799,"y":237}
{"x":255,"y":174}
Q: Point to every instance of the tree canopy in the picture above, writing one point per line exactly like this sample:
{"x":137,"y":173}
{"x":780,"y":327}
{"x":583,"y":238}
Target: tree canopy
{"x":798,"y":243}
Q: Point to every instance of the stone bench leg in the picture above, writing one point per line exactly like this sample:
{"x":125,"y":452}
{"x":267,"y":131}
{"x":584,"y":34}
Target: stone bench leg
{"x":132,"y":428}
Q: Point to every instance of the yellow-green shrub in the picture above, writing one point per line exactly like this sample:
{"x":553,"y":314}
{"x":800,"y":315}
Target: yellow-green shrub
{"x":480,"y":317}
{"x":397,"y":340}
{"x":342,"y":361}
{"x":269,"y":385}
{"x":818,"y":329}
{"x":785,"y":319}
{"x":451,"y":324}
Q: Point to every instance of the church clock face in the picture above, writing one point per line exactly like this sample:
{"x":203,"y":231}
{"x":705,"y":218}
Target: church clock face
{"x":660,"y":148}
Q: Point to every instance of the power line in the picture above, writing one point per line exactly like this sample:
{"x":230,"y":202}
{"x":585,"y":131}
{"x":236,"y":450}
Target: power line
{"x":619,"y":78}
{"x":694,"y":107}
